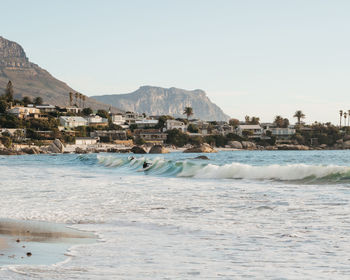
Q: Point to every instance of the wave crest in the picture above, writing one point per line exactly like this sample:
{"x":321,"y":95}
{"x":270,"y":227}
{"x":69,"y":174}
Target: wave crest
{"x":235,"y":170}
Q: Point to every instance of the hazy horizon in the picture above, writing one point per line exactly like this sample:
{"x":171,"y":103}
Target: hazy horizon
{"x":256,"y":58}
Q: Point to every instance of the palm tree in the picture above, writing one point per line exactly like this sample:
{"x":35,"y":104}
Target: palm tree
{"x":80,"y":98}
{"x":279,"y":121}
{"x":76,"y":98}
{"x":188,"y":111}
{"x":345,"y":115}
{"x":70,"y":98}
{"x":340,"y":114}
{"x":299,"y":115}
{"x":255,"y":120}
{"x":84,"y":97}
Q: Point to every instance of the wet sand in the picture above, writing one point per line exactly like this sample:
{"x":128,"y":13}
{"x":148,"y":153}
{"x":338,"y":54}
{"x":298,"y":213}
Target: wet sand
{"x":32,"y":242}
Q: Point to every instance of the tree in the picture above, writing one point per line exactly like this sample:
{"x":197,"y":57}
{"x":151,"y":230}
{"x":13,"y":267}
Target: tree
{"x":102,"y":113}
{"x":139,"y":141}
{"x":234,"y":122}
{"x":84,"y":97}
{"x":162,"y":121}
{"x":3,"y":106}
{"x":340,"y":114}
{"x":38,"y":101}
{"x":255,"y":120}
{"x":26,"y":100}
{"x":252,"y":120}
{"x":9,"y":92}
{"x":18,"y":134}
{"x":192,"y":128}
{"x":76,"y":99}
{"x":177,"y":138}
{"x":345,"y":115}
{"x":281,"y":122}
{"x":299,"y":115}
{"x":87,"y":111}
{"x":70,"y":98}
{"x":80,"y":98}
{"x":188,"y":111}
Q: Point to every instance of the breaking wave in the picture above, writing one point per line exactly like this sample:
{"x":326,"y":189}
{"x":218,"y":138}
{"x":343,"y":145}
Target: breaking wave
{"x":199,"y":169}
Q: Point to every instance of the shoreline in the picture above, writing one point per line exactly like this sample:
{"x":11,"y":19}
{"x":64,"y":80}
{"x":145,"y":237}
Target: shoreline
{"x":36,"y":242}
{"x":115,"y":148}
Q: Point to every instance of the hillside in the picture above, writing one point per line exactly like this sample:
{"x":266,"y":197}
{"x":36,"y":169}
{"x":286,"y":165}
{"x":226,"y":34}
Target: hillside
{"x":166,"y":101}
{"x":30,"y":80}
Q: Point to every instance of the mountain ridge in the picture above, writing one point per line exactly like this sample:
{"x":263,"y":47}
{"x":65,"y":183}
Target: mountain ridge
{"x":29,"y":79}
{"x":154,"y":100}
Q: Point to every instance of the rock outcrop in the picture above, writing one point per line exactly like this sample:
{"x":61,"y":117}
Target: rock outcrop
{"x":158,"y":149}
{"x":56,"y":147}
{"x":235,"y":145}
{"x":204,"y":148}
{"x":166,"y":101}
{"x":202,"y":158}
{"x":292,"y":147}
{"x":138,"y":150}
{"x":31,"y":150}
{"x":30,"y":80}
{"x":248,"y":145}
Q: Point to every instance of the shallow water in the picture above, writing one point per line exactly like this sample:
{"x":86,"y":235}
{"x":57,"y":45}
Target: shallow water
{"x":242,"y":214}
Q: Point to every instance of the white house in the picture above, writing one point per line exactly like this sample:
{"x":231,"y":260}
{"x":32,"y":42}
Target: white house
{"x":174,"y":124}
{"x":45,"y":107}
{"x":73,"y":121}
{"x":146,"y":123}
{"x":282,"y":132}
{"x":131,"y":117}
{"x":24,"y":112}
{"x":96,"y":120}
{"x":86,"y":140}
{"x":253,"y":130}
{"x":118,"y":119}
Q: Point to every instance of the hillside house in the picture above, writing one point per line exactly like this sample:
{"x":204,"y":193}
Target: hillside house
{"x":151,"y":135}
{"x":145,"y":123}
{"x":86,"y":140}
{"x":25,"y":112}
{"x":67,"y":121}
{"x":96,"y":120}
{"x":109,"y":135}
{"x":250,"y":130}
{"x":118,"y":119}
{"x":175,"y":124}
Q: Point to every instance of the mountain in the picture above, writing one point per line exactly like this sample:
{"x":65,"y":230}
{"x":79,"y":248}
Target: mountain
{"x":29,"y":79}
{"x":166,"y":101}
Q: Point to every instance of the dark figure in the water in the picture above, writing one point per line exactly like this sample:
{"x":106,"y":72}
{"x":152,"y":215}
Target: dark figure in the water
{"x":145,"y":164}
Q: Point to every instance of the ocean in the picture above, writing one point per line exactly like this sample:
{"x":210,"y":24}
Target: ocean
{"x":238,"y":215}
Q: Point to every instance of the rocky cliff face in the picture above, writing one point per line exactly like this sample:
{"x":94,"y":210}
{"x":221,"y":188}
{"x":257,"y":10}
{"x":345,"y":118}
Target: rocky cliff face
{"x":166,"y":101}
{"x":30,"y":80}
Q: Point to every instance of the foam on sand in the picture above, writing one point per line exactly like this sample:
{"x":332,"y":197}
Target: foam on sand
{"x":32,"y":242}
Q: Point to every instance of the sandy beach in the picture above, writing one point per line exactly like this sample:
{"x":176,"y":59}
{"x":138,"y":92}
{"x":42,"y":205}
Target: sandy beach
{"x":33,"y":242}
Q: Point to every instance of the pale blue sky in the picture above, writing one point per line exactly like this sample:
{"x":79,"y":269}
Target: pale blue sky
{"x":252,"y":57}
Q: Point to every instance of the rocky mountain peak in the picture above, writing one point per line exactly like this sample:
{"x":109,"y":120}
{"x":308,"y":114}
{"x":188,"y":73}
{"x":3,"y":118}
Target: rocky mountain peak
{"x":166,"y":101}
{"x":12,"y":54}
{"x":32,"y":81}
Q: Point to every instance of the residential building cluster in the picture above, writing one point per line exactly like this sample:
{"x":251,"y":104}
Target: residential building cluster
{"x":132,"y":125}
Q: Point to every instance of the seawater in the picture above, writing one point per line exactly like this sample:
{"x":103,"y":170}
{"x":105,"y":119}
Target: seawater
{"x":239,"y":215}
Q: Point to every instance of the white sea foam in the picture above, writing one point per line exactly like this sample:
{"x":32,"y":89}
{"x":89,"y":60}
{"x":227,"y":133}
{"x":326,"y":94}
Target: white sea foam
{"x":275,"y":172}
{"x":188,"y":168}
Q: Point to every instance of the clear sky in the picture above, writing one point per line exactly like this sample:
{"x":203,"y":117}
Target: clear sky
{"x":252,"y":57}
